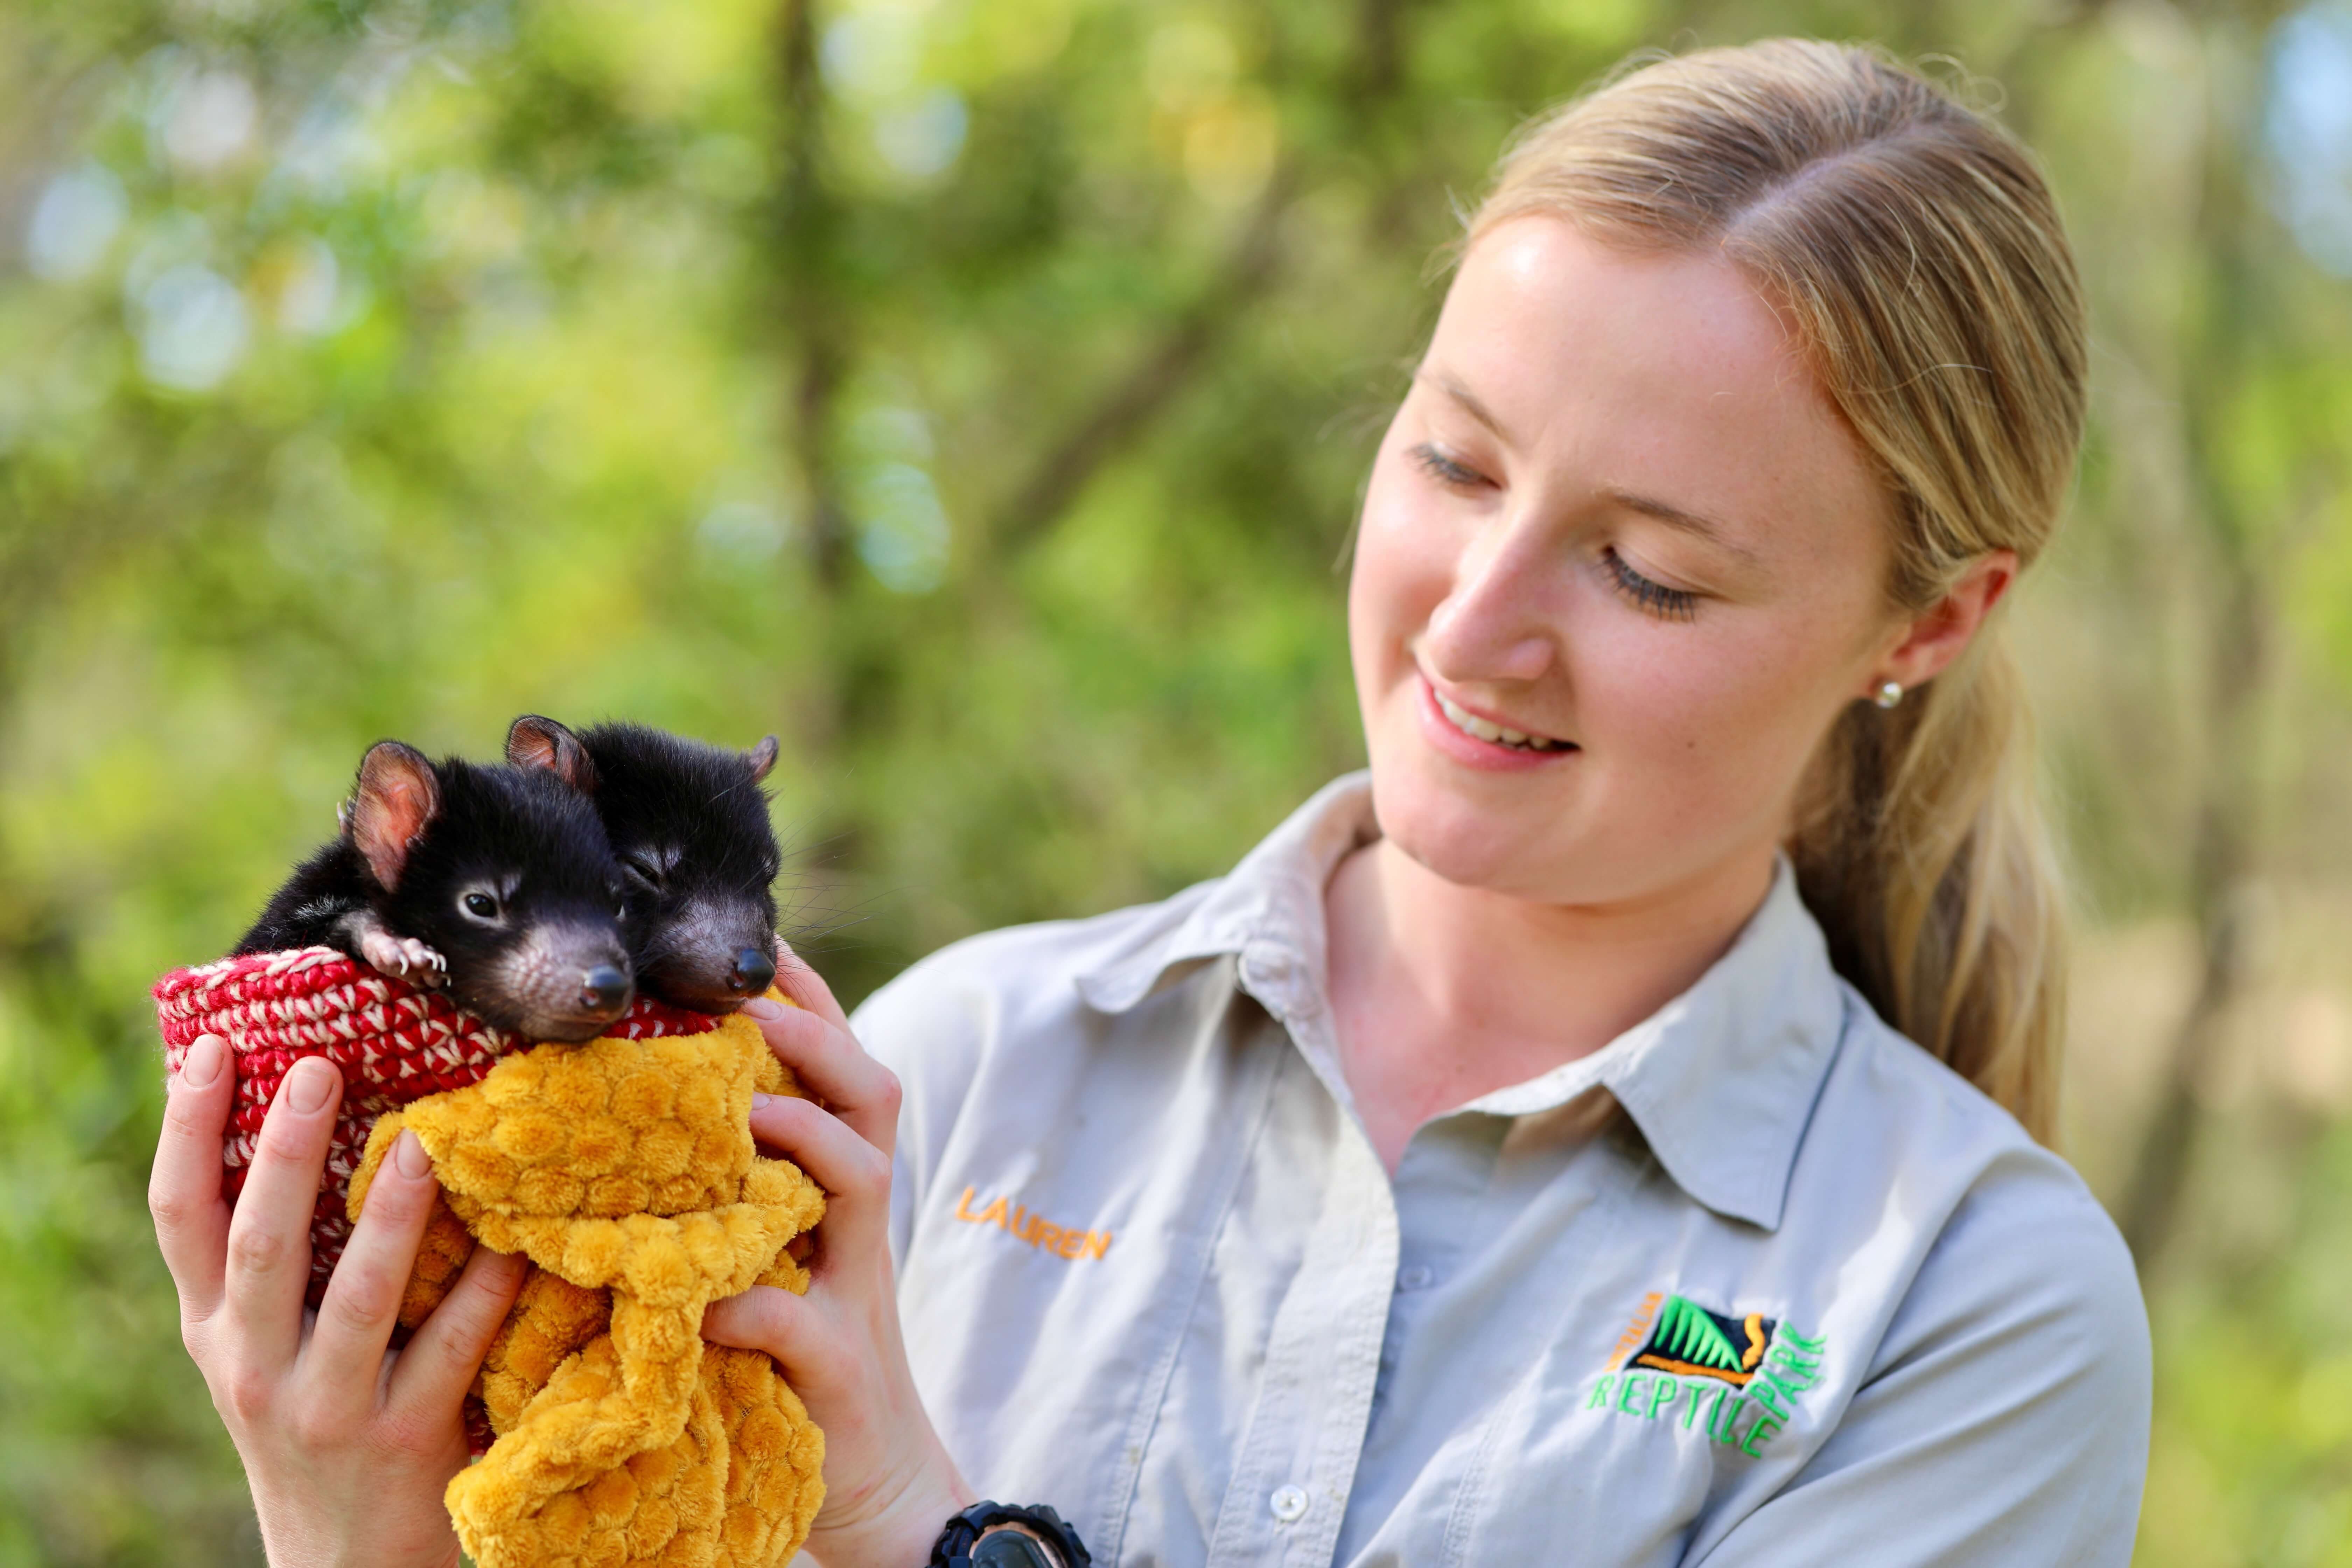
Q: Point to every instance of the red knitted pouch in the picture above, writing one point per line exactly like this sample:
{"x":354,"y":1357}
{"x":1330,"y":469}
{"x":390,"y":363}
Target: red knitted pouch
{"x":392,"y":1042}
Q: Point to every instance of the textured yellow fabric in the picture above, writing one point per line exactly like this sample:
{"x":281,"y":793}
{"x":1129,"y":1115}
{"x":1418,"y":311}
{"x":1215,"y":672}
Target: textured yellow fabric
{"x":624,"y":1169}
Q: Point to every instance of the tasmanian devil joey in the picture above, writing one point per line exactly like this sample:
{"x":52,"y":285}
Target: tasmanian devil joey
{"x":496,"y":884}
{"x":688,"y":823}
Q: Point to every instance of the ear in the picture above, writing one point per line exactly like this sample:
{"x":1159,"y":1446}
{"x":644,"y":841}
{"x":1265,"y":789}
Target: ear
{"x":543,"y":743}
{"x":1929,"y":644}
{"x":397,"y":798}
{"x":762,"y":758}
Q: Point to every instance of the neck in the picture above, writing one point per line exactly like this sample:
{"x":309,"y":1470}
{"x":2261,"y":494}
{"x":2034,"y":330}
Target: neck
{"x":1444,"y":993}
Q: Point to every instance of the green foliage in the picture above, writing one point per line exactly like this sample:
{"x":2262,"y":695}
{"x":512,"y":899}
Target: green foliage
{"x":972,"y":391}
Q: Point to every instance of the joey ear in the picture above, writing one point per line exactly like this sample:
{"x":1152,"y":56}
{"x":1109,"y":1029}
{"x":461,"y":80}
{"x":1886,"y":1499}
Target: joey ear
{"x":543,"y":743}
{"x":762,"y":758}
{"x":398,"y":798}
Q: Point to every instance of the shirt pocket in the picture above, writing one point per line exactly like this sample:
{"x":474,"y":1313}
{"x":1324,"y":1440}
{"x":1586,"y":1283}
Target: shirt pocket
{"x":1613,"y":1465}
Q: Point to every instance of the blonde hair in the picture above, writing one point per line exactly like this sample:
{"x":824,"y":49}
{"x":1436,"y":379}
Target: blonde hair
{"x":1918,"y":258}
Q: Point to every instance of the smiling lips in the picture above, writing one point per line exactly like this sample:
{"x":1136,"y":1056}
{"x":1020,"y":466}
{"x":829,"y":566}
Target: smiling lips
{"x":1470,"y":724}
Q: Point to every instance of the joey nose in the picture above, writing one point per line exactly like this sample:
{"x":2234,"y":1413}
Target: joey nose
{"x":753,"y":969}
{"x":604,"y":989}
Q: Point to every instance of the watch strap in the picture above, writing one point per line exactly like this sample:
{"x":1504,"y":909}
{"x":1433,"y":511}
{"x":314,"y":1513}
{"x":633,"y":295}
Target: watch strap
{"x":956,"y":1542}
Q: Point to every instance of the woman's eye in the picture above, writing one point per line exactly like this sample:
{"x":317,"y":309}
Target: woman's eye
{"x":1666,"y":604}
{"x":1446,"y":470}
{"x":481,"y":906}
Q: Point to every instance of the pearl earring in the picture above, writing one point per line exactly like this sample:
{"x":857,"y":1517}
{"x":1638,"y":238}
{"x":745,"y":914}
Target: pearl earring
{"x":1889,"y":694}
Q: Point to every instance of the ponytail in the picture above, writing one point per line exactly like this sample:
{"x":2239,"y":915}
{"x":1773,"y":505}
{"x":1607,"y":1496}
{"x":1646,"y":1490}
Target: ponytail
{"x":1921,"y":849}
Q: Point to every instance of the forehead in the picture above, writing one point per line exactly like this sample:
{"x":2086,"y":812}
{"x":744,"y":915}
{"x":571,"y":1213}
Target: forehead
{"x":1668,"y":373}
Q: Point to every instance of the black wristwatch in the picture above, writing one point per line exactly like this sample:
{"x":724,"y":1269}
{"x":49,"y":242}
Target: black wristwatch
{"x":960,"y":1545}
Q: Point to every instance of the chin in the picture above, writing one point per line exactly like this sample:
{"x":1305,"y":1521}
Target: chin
{"x":1466,"y":842}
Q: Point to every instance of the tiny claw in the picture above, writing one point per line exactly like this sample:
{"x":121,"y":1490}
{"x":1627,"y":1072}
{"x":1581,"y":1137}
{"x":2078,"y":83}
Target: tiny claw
{"x":405,"y":957}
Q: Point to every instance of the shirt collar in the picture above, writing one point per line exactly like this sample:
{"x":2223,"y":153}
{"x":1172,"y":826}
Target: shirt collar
{"x":1721,"y":1080}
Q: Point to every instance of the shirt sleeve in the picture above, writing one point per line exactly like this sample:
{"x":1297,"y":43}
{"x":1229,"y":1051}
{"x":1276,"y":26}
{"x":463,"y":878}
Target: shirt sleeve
{"x":2005,"y":1418}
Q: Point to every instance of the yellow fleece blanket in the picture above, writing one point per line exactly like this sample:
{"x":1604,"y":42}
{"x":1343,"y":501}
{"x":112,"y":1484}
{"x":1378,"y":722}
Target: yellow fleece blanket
{"x":624,"y":1170}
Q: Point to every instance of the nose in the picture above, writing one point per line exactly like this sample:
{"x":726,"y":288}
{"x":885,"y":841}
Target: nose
{"x":604,"y":989}
{"x":1493,"y":625}
{"x":753,"y":969}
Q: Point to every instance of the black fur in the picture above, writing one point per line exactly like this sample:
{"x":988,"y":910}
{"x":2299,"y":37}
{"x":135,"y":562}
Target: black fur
{"x":542,"y":962}
{"x":688,"y":823}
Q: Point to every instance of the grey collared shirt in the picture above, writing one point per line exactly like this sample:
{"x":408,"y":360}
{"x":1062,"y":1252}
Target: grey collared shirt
{"x":1808,"y":1297}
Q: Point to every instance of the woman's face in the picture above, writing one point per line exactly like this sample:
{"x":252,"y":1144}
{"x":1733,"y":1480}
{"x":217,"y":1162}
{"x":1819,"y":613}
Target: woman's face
{"x":1616,"y":517}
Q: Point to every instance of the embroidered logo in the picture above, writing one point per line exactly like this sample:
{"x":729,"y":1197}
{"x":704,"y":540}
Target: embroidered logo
{"x":1693,"y":1341}
{"x":1741,"y":1373}
{"x":1016,"y":1221}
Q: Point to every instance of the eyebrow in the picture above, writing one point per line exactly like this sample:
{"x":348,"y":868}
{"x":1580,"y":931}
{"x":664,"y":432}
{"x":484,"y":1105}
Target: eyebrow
{"x":1674,"y":517}
{"x":1462,"y":395}
{"x":1689,"y":522}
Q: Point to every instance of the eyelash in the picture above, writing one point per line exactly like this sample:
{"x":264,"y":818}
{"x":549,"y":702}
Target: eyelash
{"x":1666,"y":604}
{"x":1655,"y":599}
{"x":1444,"y":469}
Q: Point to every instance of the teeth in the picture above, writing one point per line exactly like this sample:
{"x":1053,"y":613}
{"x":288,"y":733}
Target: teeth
{"x":1471,"y":724}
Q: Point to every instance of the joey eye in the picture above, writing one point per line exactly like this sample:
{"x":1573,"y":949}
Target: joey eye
{"x":481,"y":906}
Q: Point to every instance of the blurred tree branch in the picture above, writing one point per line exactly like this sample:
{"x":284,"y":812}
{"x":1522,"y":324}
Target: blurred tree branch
{"x":1127,"y":408}
{"x":2233,"y":326}
{"x":1373,"y":78}
{"x":808,"y":224}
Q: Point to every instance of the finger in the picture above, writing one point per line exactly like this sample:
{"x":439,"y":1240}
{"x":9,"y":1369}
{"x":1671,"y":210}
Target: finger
{"x":362,"y":1300}
{"x":183,"y":1188}
{"x":439,"y":1364}
{"x":270,"y":1232}
{"x":830,"y":1064}
{"x":855,"y":1174}
{"x":805,"y":986}
{"x":765,"y":1318}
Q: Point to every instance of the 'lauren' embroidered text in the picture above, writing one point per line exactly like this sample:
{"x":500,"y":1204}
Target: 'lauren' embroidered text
{"x":1022,"y":1226}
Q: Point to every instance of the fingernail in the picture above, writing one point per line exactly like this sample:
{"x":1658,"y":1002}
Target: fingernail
{"x":761,"y":1101}
{"x":764,"y":1008}
{"x":203,"y":1062}
{"x":409,"y":1156}
{"x":310,"y":1084}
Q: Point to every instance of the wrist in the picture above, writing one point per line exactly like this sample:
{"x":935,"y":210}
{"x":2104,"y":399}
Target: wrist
{"x":291,"y":1546}
{"x":896,"y":1530}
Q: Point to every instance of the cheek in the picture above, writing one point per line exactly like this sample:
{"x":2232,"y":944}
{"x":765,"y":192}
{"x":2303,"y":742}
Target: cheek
{"x":1704,"y":717}
{"x":1400,"y":573}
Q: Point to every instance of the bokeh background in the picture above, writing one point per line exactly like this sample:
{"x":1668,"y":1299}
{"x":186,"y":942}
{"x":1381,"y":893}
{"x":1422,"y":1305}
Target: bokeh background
{"x":975,"y":393}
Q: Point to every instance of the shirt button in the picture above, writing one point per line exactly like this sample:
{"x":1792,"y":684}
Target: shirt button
{"x":1289,"y":1504}
{"x":1417,"y":1277}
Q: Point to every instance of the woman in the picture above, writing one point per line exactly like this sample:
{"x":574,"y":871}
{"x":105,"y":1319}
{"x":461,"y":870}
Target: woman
{"x":1517,"y":1156}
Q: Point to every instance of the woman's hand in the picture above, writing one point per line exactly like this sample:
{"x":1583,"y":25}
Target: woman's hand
{"x":348,"y":1448}
{"x":889,"y":1484}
